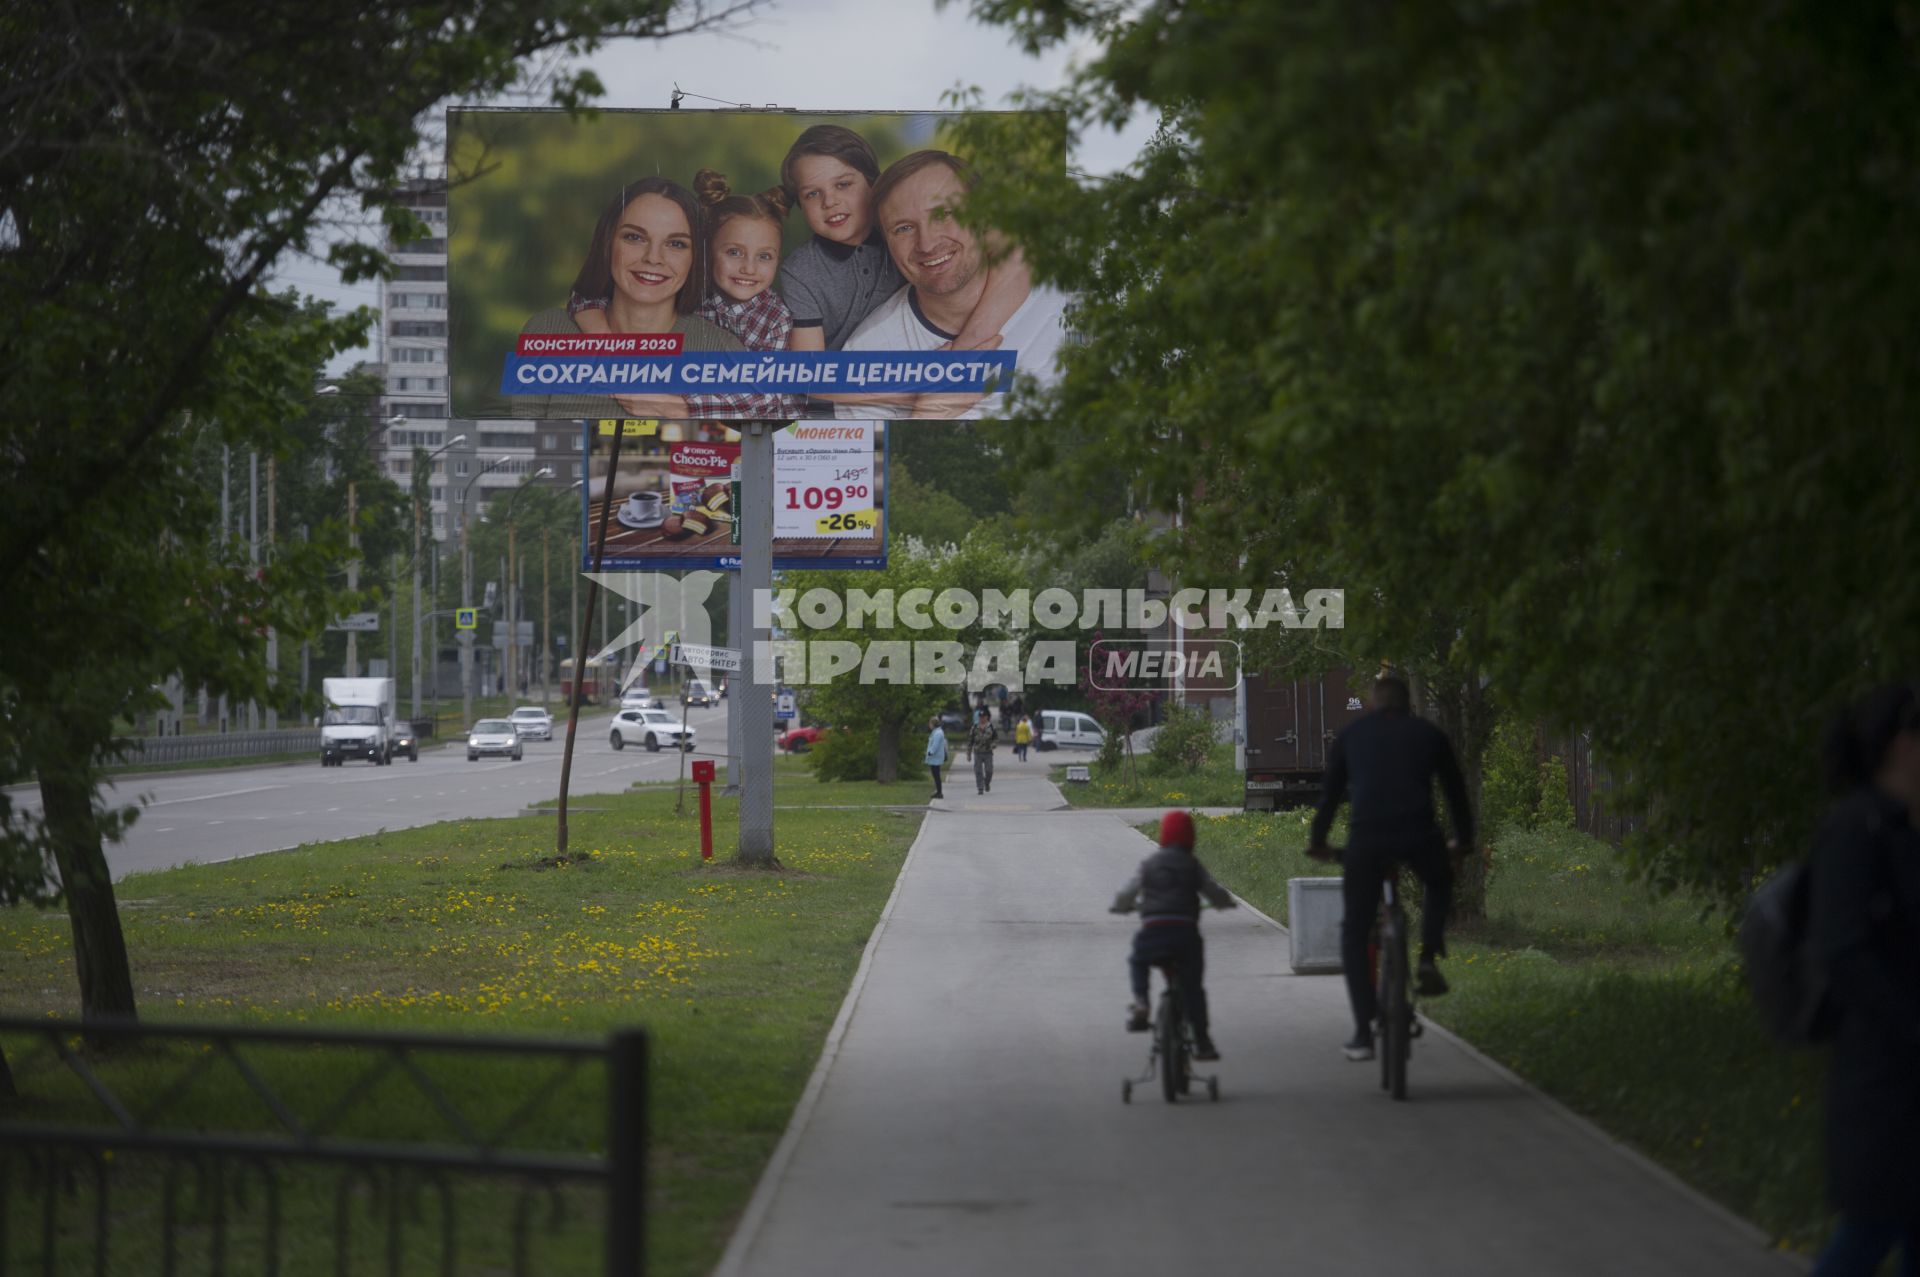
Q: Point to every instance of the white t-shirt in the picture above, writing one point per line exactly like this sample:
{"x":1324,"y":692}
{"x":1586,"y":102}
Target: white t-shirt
{"x":1035,"y":332}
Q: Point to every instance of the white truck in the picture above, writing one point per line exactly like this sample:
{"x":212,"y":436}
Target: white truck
{"x":360,"y":720}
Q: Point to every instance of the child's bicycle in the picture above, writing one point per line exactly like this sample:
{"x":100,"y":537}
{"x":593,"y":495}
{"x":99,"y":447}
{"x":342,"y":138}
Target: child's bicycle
{"x":1171,"y":1056}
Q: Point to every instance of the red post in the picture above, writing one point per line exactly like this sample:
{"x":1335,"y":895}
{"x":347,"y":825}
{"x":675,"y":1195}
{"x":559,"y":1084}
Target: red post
{"x":703,"y":777}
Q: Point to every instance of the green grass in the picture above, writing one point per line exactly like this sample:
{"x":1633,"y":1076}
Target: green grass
{"x":1627,"y":1008}
{"x":1217,"y":784}
{"x":736,"y":974}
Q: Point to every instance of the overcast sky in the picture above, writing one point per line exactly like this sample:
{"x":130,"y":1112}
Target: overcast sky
{"x":821,"y":55}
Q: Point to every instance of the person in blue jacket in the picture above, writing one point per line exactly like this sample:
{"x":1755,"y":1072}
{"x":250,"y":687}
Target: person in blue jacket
{"x":936,"y":752}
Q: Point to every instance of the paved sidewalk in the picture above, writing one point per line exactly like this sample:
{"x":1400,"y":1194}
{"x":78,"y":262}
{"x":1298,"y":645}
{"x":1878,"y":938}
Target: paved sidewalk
{"x":969,"y":1119}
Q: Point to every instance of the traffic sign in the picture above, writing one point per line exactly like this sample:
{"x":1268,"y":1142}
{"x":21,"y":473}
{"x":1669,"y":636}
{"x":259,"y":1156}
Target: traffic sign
{"x":357,"y":623}
{"x":700,"y":656}
{"x":466,"y":618}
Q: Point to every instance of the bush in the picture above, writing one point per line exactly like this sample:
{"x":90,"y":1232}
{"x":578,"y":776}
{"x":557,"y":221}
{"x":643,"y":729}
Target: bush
{"x":847,"y":755}
{"x":1555,"y":809}
{"x":1113,"y":749}
{"x":1183,"y":743}
{"x":1510,"y":779}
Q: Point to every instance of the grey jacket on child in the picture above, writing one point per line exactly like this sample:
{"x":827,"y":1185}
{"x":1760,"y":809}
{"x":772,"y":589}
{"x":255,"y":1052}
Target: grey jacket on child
{"x":1168,"y":886}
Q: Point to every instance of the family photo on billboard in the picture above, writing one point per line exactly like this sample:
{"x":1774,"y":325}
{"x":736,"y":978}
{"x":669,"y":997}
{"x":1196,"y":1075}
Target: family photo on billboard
{"x":804,"y":267}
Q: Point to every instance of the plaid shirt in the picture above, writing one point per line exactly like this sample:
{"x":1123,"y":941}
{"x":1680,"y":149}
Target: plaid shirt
{"x":762,"y":322}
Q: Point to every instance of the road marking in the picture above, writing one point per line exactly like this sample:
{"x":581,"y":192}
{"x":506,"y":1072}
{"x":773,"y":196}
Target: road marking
{"x":216,"y":822}
{"x":201,"y":798}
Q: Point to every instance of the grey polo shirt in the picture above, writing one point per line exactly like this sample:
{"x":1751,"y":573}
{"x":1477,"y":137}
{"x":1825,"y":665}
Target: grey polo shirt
{"x":833,"y":286}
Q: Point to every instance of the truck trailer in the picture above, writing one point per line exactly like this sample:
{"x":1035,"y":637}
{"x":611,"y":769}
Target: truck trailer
{"x":1287,"y":726}
{"x":360,"y":720}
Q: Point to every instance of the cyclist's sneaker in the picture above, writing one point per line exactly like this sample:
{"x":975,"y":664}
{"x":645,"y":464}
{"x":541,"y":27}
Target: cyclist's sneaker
{"x":1428,"y":981}
{"x":1205,"y":1051}
{"x":1137,"y":1018}
{"x":1360,"y":1048}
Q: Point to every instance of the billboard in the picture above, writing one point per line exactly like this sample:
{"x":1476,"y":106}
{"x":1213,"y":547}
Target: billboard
{"x":716,"y":265}
{"x":676,"y":496}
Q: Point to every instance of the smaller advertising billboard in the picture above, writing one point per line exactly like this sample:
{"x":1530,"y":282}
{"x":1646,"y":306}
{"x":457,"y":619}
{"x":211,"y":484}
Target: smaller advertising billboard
{"x":675,"y":500}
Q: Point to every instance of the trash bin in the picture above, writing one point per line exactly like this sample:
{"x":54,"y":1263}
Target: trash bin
{"x":1314,"y":908}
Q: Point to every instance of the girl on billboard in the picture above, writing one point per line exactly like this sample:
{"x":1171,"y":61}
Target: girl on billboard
{"x":743,"y":244}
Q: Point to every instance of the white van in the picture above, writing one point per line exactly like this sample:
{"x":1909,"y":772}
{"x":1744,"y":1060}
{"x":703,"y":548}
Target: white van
{"x":1065,"y":729}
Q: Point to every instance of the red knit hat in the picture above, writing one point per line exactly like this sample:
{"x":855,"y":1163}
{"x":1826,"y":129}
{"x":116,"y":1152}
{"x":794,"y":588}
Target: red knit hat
{"x":1176,"y":830}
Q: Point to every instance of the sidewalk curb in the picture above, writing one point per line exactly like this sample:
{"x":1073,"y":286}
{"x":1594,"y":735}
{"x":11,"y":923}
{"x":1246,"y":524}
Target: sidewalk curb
{"x":1792,"y":1260}
{"x":747,"y":1230}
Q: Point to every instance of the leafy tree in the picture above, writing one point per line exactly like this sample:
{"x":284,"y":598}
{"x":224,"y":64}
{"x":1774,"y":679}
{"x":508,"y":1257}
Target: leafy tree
{"x":959,"y":458}
{"x":1553,"y":338}
{"x":924,"y":513}
{"x":156,"y":163}
{"x":888,"y":710}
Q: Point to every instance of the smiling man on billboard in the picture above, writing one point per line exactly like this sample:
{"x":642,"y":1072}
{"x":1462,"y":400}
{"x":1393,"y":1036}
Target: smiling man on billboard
{"x":944,"y":265}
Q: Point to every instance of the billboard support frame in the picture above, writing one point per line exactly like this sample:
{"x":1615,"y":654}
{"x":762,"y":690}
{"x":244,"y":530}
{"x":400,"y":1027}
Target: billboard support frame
{"x":756,"y":845}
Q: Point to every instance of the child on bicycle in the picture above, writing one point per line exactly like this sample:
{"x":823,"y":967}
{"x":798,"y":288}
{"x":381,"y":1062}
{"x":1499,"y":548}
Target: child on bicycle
{"x":1167,"y":889}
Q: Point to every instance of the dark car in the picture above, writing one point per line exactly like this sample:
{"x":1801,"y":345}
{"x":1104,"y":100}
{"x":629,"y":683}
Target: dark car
{"x":405,"y":742}
{"x":698,"y":693}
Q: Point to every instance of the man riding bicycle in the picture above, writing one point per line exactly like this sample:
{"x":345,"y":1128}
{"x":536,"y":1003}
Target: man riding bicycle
{"x":1387,"y":761}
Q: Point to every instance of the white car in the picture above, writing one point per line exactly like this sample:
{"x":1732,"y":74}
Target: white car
{"x":1064,"y":729}
{"x":640,"y":698}
{"x":493,"y":736}
{"x":653,"y":728}
{"x":531,"y":720}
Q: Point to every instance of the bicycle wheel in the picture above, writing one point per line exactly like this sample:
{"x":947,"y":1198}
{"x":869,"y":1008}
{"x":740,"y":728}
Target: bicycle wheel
{"x":1167,"y":1039}
{"x":1397,"y":1013}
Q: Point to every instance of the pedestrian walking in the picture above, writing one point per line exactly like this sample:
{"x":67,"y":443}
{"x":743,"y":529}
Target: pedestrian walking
{"x":936,"y":752}
{"x":1022,"y":737}
{"x":980,"y":749}
{"x":1864,"y":925}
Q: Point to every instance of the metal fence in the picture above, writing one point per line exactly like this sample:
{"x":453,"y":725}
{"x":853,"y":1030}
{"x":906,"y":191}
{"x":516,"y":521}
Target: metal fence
{"x":147,"y":1188}
{"x":1596,"y":794}
{"x":205,"y":745}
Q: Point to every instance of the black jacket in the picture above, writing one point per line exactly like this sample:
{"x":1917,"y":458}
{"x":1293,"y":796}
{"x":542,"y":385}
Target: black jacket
{"x":1387,"y":761}
{"x":1865,"y":929}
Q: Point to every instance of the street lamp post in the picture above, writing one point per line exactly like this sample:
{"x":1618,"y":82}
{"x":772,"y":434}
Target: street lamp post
{"x":466,"y":593}
{"x":454,"y":442}
{"x":511,"y":575}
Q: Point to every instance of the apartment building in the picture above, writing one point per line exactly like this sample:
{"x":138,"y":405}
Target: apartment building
{"x":413,"y":357}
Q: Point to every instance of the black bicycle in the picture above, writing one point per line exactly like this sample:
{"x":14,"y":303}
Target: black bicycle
{"x":1170,"y":1058}
{"x":1397,"y":1024}
{"x":1394,"y":989}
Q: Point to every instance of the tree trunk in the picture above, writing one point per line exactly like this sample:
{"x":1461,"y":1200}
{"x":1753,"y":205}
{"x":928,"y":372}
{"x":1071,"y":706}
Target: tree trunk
{"x":886,"y":762}
{"x":99,"y":948}
{"x":1465,"y":712}
{"x":8,"y":1090}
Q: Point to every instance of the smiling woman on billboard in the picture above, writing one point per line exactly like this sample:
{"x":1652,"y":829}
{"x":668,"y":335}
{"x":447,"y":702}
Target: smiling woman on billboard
{"x":648,"y":259}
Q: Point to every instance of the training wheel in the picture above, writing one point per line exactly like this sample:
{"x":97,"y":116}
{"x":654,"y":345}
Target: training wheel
{"x":1126,"y":1092}
{"x":1213,"y":1089}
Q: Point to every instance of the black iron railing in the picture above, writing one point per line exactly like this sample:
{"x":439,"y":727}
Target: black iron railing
{"x":134,"y":1171}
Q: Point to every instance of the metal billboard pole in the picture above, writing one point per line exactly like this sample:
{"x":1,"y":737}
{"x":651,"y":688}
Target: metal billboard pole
{"x":756,"y":696}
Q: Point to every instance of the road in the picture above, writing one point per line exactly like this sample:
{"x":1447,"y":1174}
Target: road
{"x":966,"y":1115}
{"x":205,"y":816}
